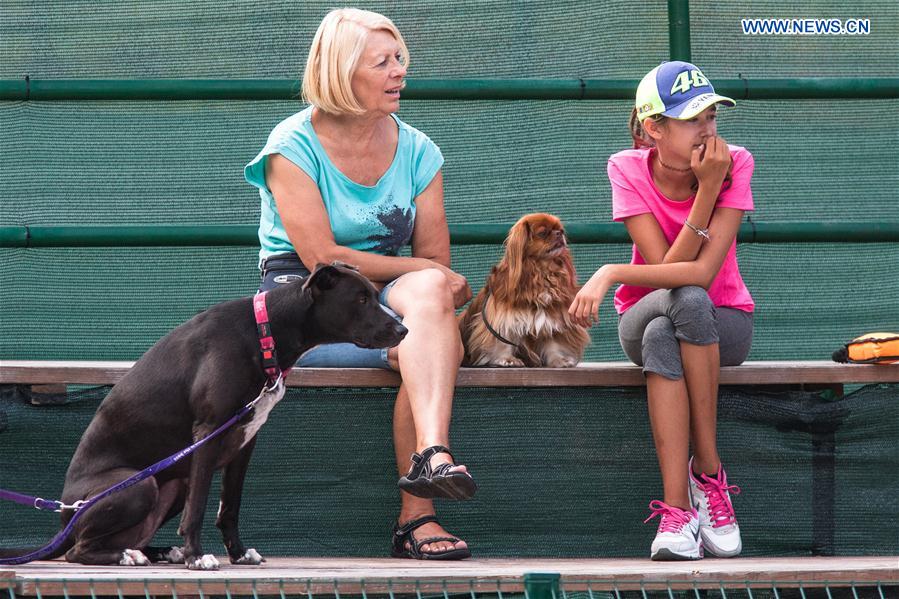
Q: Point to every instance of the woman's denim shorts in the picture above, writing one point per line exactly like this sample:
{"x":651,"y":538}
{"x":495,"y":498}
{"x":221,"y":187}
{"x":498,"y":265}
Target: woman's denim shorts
{"x":285,"y":268}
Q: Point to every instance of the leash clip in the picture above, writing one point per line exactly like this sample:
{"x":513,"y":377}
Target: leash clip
{"x":277,"y":383}
{"x":75,"y":506}
{"x":268,"y":388}
{"x":60,"y":506}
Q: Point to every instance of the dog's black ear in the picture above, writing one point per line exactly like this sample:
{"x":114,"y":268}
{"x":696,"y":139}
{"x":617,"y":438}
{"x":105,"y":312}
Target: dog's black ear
{"x":344,"y":265}
{"x":323,"y":277}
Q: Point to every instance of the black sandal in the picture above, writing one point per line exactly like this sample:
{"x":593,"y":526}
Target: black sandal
{"x":403,"y":534}
{"x":427,"y":482}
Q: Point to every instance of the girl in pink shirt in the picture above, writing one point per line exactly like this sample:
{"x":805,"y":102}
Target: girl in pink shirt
{"x":683,"y":308}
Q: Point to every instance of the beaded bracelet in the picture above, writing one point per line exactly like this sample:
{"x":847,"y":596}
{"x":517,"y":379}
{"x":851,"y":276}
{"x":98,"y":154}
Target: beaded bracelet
{"x":704,"y":233}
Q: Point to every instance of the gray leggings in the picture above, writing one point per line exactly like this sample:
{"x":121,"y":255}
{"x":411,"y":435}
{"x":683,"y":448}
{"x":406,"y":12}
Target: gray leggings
{"x":650,"y":331}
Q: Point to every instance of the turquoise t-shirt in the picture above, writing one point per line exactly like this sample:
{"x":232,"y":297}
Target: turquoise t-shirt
{"x":376,"y":218}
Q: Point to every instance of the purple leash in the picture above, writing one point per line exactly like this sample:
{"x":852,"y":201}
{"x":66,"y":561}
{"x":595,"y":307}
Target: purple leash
{"x":276,"y":378}
{"x":35,"y":502}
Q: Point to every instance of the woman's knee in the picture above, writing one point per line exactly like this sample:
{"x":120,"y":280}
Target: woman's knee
{"x":693,"y":315}
{"x":424,"y":291}
{"x":661,"y":349}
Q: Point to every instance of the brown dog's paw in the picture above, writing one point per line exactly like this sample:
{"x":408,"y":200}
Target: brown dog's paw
{"x":562,"y":362}
{"x":512,"y":362}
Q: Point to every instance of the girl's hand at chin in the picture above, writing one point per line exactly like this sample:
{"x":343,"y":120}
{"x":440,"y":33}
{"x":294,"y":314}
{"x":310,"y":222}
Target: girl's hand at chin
{"x":710,"y":161}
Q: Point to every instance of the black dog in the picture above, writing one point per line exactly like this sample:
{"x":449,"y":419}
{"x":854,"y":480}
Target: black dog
{"x":187,"y":385}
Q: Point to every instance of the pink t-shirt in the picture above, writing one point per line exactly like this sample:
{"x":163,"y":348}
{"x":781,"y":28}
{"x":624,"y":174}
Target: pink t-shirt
{"x":634,"y":192}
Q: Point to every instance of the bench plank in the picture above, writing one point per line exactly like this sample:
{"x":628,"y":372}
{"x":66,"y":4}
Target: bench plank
{"x":302,"y":575}
{"x":586,"y":374}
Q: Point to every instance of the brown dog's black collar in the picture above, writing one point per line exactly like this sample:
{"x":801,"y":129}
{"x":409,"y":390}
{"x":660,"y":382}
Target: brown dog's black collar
{"x":493,"y":331}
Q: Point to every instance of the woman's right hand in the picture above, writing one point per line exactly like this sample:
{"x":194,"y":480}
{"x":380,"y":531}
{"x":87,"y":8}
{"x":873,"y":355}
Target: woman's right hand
{"x":711,"y":161}
{"x":458,"y":284}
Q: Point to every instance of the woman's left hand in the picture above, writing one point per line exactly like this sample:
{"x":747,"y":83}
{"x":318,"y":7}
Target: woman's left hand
{"x":585,"y":307}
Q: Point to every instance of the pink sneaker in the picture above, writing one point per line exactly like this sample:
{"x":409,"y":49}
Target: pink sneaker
{"x":717,"y":523}
{"x":678,"y":535}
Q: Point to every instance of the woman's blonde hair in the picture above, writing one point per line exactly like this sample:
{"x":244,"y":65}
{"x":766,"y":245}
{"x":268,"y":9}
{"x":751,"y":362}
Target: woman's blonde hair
{"x":334,"y":56}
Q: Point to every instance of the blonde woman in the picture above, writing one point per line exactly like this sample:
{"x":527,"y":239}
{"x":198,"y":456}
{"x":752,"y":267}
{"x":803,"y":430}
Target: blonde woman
{"x":347,"y":180}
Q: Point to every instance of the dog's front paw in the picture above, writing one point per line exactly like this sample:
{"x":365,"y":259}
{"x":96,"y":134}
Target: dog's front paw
{"x":206,"y":562}
{"x":250,"y":558}
{"x":511,"y":362}
{"x":562,"y":362}
{"x":175,"y":555}
{"x":133,"y":557}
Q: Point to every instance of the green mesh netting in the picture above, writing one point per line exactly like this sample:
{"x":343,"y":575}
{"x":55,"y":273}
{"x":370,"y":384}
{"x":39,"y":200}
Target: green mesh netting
{"x":464,"y":38}
{"x":181,"y":162}
{"x":565,"y":472}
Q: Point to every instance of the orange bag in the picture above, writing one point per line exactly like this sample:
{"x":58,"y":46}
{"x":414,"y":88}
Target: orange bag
{"x":872,"y":348}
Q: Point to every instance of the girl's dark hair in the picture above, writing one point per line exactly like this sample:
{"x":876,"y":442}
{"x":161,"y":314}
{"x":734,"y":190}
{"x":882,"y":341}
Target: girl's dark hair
{"x":641,"y":140}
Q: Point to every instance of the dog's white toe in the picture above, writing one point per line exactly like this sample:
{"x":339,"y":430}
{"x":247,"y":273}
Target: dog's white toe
{"x":250,"y":558}
{"x":133,"y":557}
{"x":206,"y":562}
{"x":175,"y":555}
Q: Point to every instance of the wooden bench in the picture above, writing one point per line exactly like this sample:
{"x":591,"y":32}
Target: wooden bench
{"x":588,"y":374}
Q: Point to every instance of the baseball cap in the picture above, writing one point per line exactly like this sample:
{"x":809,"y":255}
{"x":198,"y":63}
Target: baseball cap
{"x":676,"y":89}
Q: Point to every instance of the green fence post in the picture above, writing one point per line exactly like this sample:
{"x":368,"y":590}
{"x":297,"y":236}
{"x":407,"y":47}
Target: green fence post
{"x":541,"y":585}
{"x":679,"y":29}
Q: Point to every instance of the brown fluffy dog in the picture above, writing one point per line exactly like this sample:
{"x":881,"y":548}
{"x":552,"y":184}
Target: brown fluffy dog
{"x":525,"y":301}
